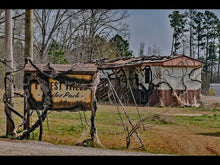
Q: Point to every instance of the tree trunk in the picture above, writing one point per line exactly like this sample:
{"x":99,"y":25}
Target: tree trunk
{"x":172,"y":43}
{"x":9,"y":86}
{"x":28,"y":33}
{"x":28,"y":53}
{"x":218,"y":64}
{"x":206,"y":56}
{"x":198,"y":48}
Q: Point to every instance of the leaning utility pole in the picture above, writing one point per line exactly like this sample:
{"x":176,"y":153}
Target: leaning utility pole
{"x":9,"y":85}
{"x":28,"y":52}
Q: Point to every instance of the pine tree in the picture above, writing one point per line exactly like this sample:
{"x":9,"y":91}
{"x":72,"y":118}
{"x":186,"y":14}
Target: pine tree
{"x":177,"y":22}
{"x":190,"y":15}
{"x":210,"y":26}
{"x":56,"y":55}
{"x":212,"y":59}
{"x":199,"y":31}
{"x":218,"y":46}
{"x":122,"y":46}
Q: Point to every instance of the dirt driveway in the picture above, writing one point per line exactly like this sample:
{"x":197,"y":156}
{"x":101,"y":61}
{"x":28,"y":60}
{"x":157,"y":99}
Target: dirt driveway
{"x":36,"y":148}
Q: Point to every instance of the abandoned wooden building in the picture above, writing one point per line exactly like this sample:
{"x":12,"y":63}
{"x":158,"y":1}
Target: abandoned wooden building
{"x":147,"y":80}
{"x":151,"y":80}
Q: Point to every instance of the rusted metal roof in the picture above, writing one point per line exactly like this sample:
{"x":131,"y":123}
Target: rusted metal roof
{"x":173,"y":60}
{"x":91,"y":67}
{"x":80,"y":68}
{"x":182,"y":61}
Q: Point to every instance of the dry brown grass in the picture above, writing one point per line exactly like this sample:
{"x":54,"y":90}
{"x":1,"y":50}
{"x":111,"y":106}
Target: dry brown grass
{"x":184,"y":143}
{"x":164,"y":132}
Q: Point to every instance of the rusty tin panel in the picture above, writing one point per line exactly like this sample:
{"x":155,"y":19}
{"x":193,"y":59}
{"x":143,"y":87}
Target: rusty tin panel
{"x":173,"y":60}
{"x":169,"y":100}
{"x":182,"y":61}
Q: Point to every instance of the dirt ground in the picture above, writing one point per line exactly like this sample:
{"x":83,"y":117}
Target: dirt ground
{"x":210,"y":100}
{"x":37,"y":148}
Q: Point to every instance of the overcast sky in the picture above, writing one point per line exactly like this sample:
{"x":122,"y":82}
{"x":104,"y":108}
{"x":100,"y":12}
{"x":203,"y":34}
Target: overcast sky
{"x":152,"y":26}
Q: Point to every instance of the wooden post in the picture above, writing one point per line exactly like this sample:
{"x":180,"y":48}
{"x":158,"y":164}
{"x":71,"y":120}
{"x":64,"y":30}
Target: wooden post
{"x":28,"y":33}
{"x":28,"y":52}
{"x":9,"y":86}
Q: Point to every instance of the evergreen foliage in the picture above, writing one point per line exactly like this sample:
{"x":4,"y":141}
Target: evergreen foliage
{"x":202,"y":31}
{"x":56,"y":54}
{"x":122,"y":46}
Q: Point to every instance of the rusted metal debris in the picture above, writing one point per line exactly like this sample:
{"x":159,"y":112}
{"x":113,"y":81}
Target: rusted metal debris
{"x":173,"y":60}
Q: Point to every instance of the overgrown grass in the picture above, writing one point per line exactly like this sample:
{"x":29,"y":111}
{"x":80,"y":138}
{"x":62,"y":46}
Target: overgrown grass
{"x":204,"y":121}
{"x":162,"y":132}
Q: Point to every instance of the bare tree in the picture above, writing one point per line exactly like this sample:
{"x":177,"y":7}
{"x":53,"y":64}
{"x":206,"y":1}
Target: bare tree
{"x":17,"y":42}
{"x":97,"y":24}
{"x":16,"y":15}
{"x":80,"y":33}
{"x":141,"y":50}
{"x":153,"y":51}
{"x":48,"y":22}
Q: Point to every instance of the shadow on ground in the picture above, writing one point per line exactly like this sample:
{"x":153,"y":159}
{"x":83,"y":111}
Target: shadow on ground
{"x":216,"y":134}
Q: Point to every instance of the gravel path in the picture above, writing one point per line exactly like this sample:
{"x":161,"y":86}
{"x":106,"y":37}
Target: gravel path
{"x":36,"y":148}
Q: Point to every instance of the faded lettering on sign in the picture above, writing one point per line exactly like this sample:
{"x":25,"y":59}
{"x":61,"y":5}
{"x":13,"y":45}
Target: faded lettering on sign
{"x":64,"y":96}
